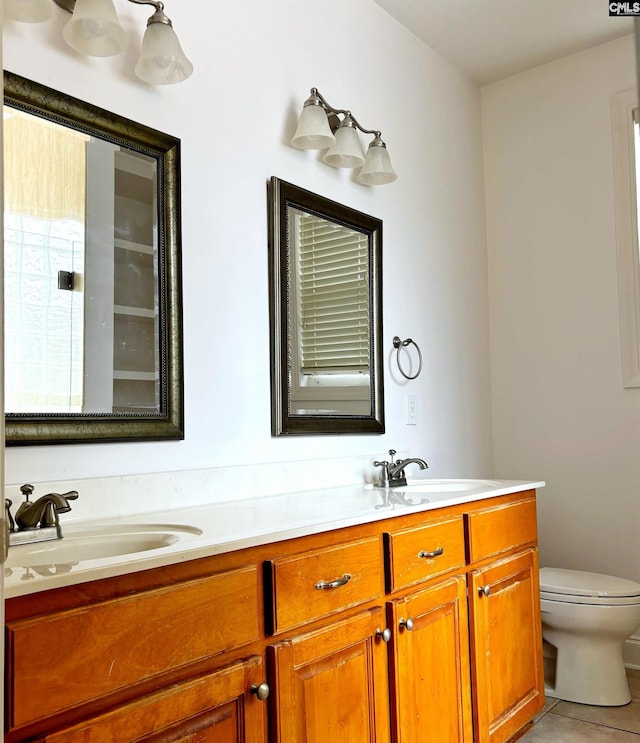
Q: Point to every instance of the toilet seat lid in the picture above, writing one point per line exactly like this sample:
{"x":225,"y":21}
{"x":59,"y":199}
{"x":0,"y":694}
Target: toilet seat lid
{"x":578,"y":583}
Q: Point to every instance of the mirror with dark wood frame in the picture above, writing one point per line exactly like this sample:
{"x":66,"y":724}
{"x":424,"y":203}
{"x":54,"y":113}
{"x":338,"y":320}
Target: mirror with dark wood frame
{"x":325,"y":270}
{"x":93,"y":327}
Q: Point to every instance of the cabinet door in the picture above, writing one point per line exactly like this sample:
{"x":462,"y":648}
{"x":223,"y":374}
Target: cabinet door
{"x":331,"y":685}
{"x":506,"y":644}
{"x":219,"y":707}
{"x":430,"y":676}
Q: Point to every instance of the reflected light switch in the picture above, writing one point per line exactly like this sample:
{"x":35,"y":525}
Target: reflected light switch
{"x":411,"y":417}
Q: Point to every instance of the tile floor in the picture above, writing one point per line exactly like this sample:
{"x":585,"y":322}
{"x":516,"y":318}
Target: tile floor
{"x":565,"y":722}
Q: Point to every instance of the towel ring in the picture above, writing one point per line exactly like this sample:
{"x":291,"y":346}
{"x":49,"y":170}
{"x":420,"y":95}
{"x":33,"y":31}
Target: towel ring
{"x":397,"y":344}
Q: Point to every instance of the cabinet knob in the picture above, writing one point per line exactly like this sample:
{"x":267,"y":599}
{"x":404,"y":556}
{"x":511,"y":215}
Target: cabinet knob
{"x":384,"y":634}
{"x":406,"y":624}
{"x":484,"y":590}
{"x":260,"y":690}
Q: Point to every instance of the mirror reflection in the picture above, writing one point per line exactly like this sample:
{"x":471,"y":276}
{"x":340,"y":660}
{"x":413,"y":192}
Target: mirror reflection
{"x":326,"y":315}
{"x":92,"y":344}
{"x":81,"y":294}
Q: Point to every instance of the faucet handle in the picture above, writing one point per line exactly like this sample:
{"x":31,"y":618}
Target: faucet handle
{"x":11,"y":524}
{"x":49,"y":516}
{"x":383,"y":479}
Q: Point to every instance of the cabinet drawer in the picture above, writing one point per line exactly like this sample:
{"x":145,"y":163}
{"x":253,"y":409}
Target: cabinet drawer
{"x":216,"y":706}
{"x":495,"y":530}
{"x":415,"y":555}
{"x":68,"y":658}
{"x":315,"y":584}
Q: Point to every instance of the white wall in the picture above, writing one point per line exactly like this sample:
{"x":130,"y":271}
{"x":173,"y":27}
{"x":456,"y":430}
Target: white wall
{"x":559,"y":409}
{"x":255,"y":62}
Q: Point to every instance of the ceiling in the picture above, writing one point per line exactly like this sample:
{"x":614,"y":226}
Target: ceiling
{"x":492,"y":39}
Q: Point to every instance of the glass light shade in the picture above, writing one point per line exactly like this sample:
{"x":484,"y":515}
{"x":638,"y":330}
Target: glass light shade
{"x":29,"y":11}
{"x":377,"y":169}
{"x":94,"y":29}
{"x":313,"y":132}
{"x":162,"y":61}
{"x":346,"y":151}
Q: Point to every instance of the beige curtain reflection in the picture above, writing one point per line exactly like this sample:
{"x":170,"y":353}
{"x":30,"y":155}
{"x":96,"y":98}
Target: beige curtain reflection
{"x":45,"y":168}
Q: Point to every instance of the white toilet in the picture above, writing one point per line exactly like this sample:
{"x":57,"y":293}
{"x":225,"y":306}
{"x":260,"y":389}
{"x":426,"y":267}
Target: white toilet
{"x":586,"y":617}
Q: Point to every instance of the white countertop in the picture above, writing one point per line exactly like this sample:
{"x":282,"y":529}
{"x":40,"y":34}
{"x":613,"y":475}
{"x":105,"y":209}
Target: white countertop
{"x":225,"y":527}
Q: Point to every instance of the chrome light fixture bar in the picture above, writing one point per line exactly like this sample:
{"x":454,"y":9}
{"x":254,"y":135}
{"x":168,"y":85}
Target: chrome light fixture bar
{"x":320,"y":126}
{"x":94,"y":29}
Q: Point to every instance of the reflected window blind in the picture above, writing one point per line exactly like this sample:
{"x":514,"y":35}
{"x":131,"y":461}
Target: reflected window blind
{"x":333,"y":290}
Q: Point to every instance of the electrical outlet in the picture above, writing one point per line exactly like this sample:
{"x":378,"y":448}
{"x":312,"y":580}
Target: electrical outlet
{"x":411,"y":418}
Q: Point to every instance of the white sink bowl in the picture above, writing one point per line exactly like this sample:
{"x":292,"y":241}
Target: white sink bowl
{"x":446,"y":486}
{"x":98,"y":542}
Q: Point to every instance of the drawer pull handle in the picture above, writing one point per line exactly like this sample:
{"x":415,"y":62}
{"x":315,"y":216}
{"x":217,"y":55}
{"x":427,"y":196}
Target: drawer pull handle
{"x":331,"y":584}
{"x":384,"y":634}
{"x":434,"y":553}
{"x":406,"y":624}
{"x":484,"y":590}
{"x":260,"y":690}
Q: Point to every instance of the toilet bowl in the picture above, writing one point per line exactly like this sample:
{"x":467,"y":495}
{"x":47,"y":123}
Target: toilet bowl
{"x":586,"y":618}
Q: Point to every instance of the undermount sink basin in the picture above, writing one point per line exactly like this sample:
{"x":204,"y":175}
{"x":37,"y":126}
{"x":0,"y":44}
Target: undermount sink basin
{"x":446,"y":486}
{"x":98,"y":542}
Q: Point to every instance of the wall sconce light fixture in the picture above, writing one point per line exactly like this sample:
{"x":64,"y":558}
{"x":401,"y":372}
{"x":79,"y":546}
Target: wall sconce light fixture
{"x":320,"y":126}
{"x":94,"y":29}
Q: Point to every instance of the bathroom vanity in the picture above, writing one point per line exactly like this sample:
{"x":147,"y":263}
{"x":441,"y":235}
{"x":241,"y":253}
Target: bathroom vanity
{"x":407,"y":622}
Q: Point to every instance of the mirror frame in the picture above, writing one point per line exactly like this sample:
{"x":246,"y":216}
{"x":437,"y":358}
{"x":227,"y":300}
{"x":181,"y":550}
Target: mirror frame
{"x":168,"y":423}
{"x":282,"y":195}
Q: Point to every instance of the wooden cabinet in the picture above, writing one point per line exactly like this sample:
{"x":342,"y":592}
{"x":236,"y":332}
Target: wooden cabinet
{"x":72,"y":662}
{"x":505,"y":622}
{"x":422,"y":627}
{"x":332,"y":684}
{"x":431,"y":694}
{"x":335,"y":678}
{"x":506,"y":640}
{"x":416,"y":554}
{"x":219,"y":706}
{"x":321,"y":582}
{"x":496,"y":529}
{"x":78,"y":656}
{"x":429,"y":647}
{"x":440,"y":663}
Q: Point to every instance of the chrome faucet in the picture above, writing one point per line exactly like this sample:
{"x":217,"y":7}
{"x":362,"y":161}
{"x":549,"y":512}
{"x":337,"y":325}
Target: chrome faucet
{"x":37,"y":521}
{"x":392,"y":473}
